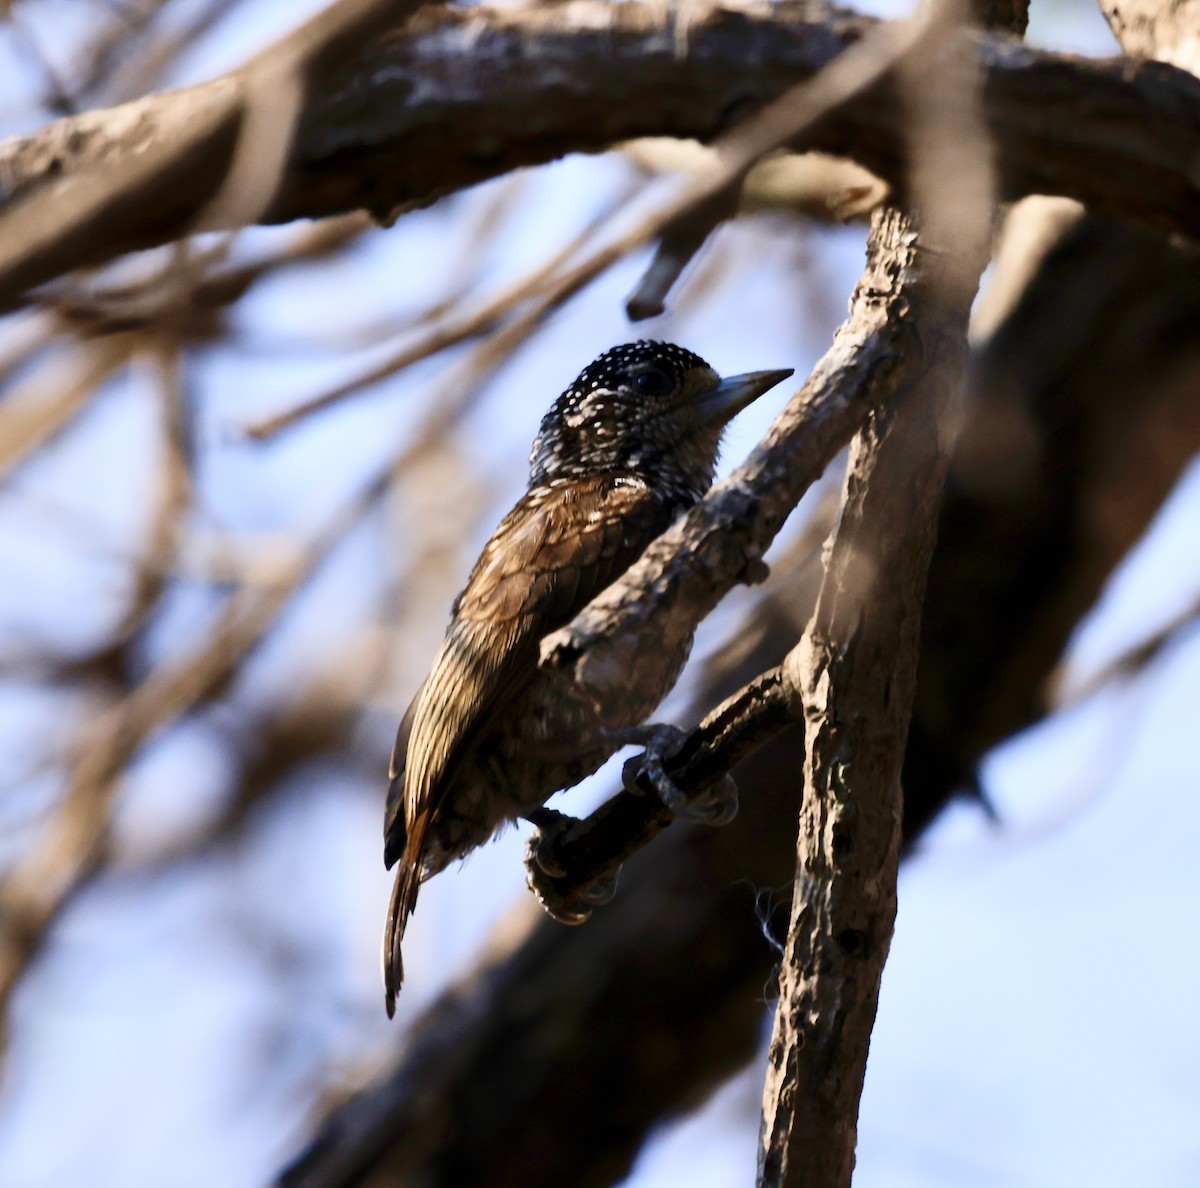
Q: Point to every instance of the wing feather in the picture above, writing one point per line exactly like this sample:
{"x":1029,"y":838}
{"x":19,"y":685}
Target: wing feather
{"x":549,"y":557}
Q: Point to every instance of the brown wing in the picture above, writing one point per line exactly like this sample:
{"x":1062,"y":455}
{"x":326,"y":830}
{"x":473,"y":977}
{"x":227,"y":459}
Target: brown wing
{"x":549,"y":557}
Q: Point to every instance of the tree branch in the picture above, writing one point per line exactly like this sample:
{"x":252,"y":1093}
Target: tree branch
{"x":594,"y":849}
{"x":854,"y":673}
{"x":131,"y":158}
{"x":460,"y":96}
{"x":687,"y":570}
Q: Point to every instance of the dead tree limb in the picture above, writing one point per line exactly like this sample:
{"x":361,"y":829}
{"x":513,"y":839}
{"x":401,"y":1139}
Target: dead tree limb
{"x":854,"y":675}
{"x":459,"y":96}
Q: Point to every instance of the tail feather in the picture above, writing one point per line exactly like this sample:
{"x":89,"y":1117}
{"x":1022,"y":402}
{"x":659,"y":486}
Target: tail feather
{"x":400,"y":908}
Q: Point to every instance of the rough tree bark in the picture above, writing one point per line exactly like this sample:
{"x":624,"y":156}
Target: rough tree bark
{"x":854,"y":672}
{"x":854,"y":675}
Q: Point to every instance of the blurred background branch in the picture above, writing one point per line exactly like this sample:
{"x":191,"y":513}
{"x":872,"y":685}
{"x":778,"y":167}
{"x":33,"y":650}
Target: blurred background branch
{"x":153,"y":167}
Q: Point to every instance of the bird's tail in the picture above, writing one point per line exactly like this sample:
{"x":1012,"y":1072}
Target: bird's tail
{"x":404,"y":899}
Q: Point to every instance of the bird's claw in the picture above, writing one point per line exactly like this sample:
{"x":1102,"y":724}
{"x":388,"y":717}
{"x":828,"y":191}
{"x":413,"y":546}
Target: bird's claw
{"x":542,"y":867}
{"x":603,"y":890}
{"x":756,"y":572}
{"x":717,"y":805}
{"x":541,"y":848}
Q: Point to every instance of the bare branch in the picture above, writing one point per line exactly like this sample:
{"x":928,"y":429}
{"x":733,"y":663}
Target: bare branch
{"x":32,"y":417}
{"x":1134,"y":661}
{"x":535,"y":290}
{"x":172,"y":497}
{"x":594,"y":849}
{"x":135,"y":164}
{"x":763,"y":133}
{"x":1117,"y":136}
{"x":853,"y":676}
{"x":686,"y":572}
{"x":679,"y":242}
{"x":71,"y":847}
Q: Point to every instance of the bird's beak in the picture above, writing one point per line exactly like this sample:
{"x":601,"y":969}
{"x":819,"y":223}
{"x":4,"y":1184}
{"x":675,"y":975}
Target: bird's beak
{"x":730,"y":396}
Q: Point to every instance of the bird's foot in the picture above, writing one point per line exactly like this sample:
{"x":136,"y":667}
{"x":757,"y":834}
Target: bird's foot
{"x":550,"y":825}
{"x":756,"y":572}
{"x":542,"y":867}
{"x":717,"y":805}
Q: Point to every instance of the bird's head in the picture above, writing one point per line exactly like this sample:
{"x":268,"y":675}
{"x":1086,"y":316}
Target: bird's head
{"x":647,"y":408}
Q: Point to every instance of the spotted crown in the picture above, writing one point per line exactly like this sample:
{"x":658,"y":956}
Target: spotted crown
{"x":628,"y":412}
{"x":615,"y":367}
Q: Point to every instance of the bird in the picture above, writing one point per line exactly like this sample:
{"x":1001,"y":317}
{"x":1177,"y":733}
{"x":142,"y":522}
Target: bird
{"x":626,"y":449}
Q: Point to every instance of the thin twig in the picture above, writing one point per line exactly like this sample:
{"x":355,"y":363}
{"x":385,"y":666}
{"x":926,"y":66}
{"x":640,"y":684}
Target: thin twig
{"x":532,"y":287}
{"x":1132,"y":662}
{"x":677,"y":245}
{"x":175,"y":487}
{"x":30,"y":419}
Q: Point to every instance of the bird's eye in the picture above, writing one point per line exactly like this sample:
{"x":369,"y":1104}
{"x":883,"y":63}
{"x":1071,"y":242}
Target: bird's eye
{"x":653,"y":382}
